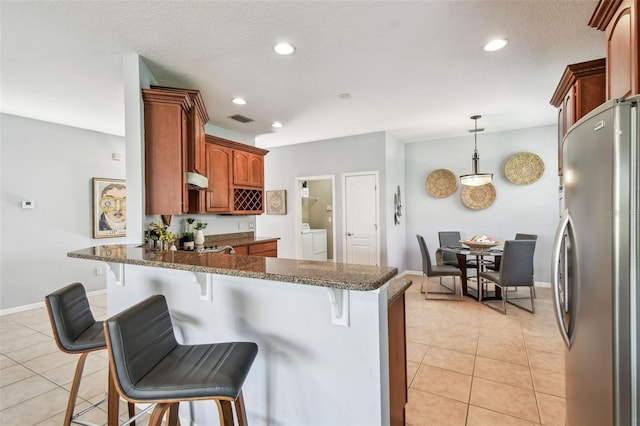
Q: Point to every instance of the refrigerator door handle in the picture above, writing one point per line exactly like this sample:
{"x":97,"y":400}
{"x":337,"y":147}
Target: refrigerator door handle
{"x":565,"y":222}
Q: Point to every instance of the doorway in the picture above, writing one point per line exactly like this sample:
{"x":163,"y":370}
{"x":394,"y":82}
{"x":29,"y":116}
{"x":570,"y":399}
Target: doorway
{"x":315,"y":218}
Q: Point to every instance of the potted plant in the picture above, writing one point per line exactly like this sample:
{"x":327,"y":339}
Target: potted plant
{"x":188,"y":241}
{"x":199,"y":237}
{"x":168,"y":239}
{"x":189,"y":226}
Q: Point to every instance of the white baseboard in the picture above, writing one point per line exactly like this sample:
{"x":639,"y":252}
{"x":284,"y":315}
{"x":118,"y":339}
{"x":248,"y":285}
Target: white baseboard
{"x":23,"y":308}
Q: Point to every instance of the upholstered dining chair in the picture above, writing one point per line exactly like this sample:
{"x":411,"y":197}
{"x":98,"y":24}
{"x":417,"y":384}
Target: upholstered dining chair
{"x":518,"y":236}
{"x":436,"y":271}
{"x":449,"y":239}
{"x":516,"y":270}
{"x":452,"y":239}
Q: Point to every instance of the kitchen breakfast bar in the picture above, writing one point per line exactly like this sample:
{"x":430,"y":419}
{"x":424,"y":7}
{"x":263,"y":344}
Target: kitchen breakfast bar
{"x":327,"y":332}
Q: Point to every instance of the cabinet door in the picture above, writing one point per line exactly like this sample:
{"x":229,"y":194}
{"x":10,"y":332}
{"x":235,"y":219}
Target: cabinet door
{"x":622,"y":53}
{"x":218,"y":196}
{"x":166,"y":127}
{"x":199,"y":146}
{"x":248,"y":168}
{"x":397,"y":361}
{"x":562,"y":129}
{"x":256,"y":170}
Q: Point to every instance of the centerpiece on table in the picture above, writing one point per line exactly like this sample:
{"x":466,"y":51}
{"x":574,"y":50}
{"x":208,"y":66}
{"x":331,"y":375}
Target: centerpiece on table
{"x":480,"y":242}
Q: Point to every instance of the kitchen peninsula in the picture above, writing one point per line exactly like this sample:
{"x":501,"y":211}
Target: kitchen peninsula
{"x":322,"y":328}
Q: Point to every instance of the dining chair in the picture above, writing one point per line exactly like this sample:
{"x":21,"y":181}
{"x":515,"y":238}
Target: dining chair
{"x":436,"y":271}
{"x":516,"y":270}
{"x":518,"y":236}
{"x":449,"y":239}
{"x":452,"y":239}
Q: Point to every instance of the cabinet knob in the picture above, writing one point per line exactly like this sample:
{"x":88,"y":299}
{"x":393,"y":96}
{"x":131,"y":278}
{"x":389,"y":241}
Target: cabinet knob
{"x":349,"y":234}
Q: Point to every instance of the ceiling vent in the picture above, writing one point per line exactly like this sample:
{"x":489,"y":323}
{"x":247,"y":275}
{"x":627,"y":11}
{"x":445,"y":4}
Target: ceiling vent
{"x":241,"y":118}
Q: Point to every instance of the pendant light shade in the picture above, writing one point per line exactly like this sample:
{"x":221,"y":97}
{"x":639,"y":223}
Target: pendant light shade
{"x":476,"y":178}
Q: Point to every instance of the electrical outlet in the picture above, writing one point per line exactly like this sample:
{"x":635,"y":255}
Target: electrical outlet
{"x":98,"y":271}
{"x":239,"y":225}
{"x":251,"y":225}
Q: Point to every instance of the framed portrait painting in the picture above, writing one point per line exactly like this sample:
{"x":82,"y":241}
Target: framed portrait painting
{"x":109,"y":208}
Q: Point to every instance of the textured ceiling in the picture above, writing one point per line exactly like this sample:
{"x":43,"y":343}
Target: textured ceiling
{"x":413,"y":68}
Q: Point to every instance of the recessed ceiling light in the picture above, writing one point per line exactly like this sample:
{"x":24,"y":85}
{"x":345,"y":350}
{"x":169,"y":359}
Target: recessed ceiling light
{"x":284,"y":48}
{"x":276,"y":124}
{"x":239,"y":101}
{"x":496,"y":44}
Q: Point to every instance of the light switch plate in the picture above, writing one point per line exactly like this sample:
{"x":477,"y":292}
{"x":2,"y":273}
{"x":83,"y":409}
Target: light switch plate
{"x":27,"y":204}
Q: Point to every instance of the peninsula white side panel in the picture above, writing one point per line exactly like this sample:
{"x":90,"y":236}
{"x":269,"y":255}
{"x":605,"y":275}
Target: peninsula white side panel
{"x":308,"y":371}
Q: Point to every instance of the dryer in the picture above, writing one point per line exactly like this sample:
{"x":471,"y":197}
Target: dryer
{"x":314,"y":243}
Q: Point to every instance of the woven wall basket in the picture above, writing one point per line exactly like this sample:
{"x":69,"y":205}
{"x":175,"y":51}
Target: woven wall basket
{"x":478,"y":197}
{"x":441,"y":183}
{"x":524,"y":168}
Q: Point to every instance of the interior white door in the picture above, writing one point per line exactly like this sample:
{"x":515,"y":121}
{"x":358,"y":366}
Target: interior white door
{"x":361,"y":219}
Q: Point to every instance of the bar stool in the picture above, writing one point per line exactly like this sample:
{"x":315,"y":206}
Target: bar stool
{"x":148,"y":365}
{"x":76,"y":332}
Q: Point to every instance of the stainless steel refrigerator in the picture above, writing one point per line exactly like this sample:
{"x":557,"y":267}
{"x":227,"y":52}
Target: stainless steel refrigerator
{"x":595,"y":266}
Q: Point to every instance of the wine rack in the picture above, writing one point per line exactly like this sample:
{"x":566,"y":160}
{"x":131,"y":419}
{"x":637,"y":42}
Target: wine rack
{"x":248,"y":201}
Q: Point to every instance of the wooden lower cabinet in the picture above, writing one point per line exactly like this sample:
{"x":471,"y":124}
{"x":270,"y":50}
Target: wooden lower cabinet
{"x":267,"y":249}
{"x":397,"y":361}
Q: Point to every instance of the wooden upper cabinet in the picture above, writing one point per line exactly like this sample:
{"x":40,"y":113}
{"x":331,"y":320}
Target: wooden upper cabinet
{"x":166,"y":127}
{"x":620,"y":20}
{"x":198,"y":117}
{"x":218,"y":196}
{"x":248,"y":168}
{"x":582,"y":88}
{"x":236,"y":177}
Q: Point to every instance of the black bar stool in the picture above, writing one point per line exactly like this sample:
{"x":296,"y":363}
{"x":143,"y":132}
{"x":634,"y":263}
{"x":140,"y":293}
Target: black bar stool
{"x":76,"y":332}
{"x":149,"y":366}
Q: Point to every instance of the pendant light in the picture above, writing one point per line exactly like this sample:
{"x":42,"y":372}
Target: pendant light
{"x":476,"y":178}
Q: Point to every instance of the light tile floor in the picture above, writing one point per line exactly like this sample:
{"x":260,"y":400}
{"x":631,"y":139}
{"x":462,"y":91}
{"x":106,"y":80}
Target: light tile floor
{"x":470,"y":365}
{"x":467,"y":365}
{"x":35,"y":376}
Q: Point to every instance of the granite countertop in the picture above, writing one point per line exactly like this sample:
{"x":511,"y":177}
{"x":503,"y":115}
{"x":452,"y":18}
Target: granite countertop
{"x":324,"y":274}
{"x":397,"y":287}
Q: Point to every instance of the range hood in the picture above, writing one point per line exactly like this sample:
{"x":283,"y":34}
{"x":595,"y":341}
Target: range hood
{"x":197,"y":181}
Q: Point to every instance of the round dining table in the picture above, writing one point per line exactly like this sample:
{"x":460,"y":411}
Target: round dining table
{"x":462,"y":253}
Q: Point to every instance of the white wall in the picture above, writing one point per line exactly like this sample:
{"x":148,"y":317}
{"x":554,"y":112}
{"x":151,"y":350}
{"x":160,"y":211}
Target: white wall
{"x":52,"y":165}
{"x":357,"y":153}
{"x":530,"y":209}
{"x":396,"y":234}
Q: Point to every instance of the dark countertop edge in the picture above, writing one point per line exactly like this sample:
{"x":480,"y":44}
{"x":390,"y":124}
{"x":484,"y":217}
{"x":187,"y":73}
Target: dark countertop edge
{"x":291,"y":279}
{"x":397,"y":287}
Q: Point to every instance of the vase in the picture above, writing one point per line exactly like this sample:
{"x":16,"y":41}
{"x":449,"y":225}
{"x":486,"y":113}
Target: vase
{"x":199,"y":238}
